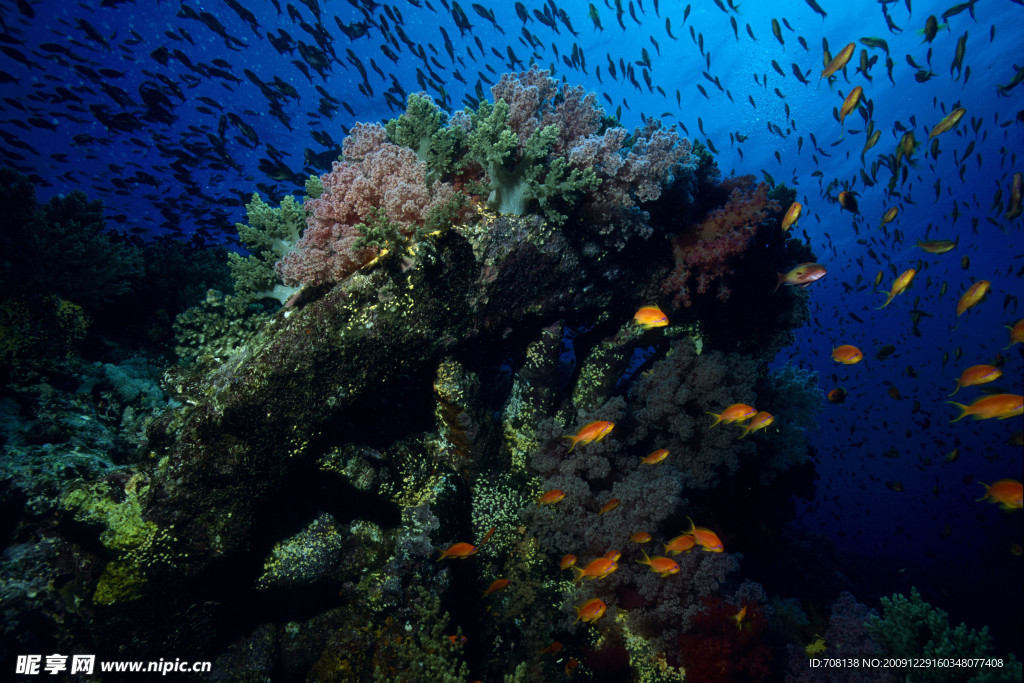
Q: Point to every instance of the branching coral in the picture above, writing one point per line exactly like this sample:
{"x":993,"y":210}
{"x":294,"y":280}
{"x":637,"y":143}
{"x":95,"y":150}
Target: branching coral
{"x":375,"y":200}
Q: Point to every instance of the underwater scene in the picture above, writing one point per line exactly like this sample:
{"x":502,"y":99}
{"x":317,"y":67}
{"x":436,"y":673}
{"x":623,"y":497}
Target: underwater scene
{"x":549,"y":340}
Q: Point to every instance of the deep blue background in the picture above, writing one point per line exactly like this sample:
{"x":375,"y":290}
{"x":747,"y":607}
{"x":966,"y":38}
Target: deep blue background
{"x":934,"y":529}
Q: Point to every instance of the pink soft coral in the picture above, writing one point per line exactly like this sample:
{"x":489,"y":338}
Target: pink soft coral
{"x":705,"y":252}
{"x":375,"y":174}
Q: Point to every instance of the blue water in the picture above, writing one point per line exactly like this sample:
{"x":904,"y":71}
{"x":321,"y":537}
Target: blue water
{"x":933,"y":531}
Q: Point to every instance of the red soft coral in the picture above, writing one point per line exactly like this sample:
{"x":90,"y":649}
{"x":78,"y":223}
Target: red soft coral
{"x":375,"y":174}
{"x":706,"y":251}
{"x":719,"y":650}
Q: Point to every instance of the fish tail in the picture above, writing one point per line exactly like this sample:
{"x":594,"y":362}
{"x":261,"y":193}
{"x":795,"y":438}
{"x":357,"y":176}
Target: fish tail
{"x":646,"y":560}
{"x":579,"y":574}
{"x":782,"y":278}
{"x":957,"y":387}
{"x":573,"y":445}
{"x":718,"y":418}
{"x":963,"y":410}
{"x":693,"y":527}
{"x":978,"y":500}
{"x":746,"y":430}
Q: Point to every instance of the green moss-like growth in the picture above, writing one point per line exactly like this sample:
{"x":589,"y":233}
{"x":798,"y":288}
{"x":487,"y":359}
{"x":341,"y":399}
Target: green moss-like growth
{"x":425,"y":653}
{"x":913,"y":629}
{"x":213,"y":330}
{"x":140,"y":547}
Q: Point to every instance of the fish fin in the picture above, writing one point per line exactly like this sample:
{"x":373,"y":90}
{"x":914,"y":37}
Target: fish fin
{"x":718,"y":418}
{"x":957,"y":387}
{"x":963,"y":410}
{"x":782,"y":278}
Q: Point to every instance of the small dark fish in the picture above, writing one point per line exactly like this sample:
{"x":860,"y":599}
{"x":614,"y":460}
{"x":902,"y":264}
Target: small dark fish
{"x":817,"y":8}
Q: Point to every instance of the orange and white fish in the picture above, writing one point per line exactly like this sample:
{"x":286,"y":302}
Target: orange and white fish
{"x":899,"y":285}
{"x":977,"y":374}
{"x":650,"y":316}
{"x":999,"y":406}
{"x":974,"y":294}
{"x":792,"y":216}
{"x":594,"y":431}
{"x":737,"y":412}
{"x":800,"y":276}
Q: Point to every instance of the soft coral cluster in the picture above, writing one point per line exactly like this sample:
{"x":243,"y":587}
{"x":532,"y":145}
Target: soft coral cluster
{"x":378,"y":187}
{"x":705,"y":252}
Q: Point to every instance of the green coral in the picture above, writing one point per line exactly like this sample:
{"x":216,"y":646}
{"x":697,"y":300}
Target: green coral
{"x":913,"y":629}
{"x":422,"y":127}
{"x":270,"y":234}
{"x":425,"y":653}
{"x":516,"y":183}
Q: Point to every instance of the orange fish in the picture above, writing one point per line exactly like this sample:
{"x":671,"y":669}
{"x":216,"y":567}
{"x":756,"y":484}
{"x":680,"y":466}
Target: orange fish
{"x":792,"y":216}
{"x":848,"y":201}
{"x":847,"y":354}
{"x":947,"y":123}
{"x":683,"y":543}
{"x":889,"y":216}
{"x":899,"y":285}
{"x":801,"y":276}
{"x":609,"y":506}
{"x":739,"y":617}
{"x":977,"y":374}
{"x":591,"y":610}
{"x":706,"y":538}
{"x":640,"y":537}
{"x":974,"y":294}
{"x":759,"y":421}
{"x":1000,"y":406}
{"x":458,"y":551}
{"x":650,"y":316}
{"x":566,"y":562}
{"x":664,"y":566}
{"x":1016,"y":333}
{"x":612,"y":555}
{"x":457,"y":640}
{"x":496,"y":585}
{"x":595,"y":431}
{"x":839,"y":61}
{"x":551,"y":497}
{"x":737,"y":412}
{"x":1013,"y":210}
{"x":654,"y":457}
{"x":598,"y":568}
{"x":850,"y":103}
{"x":1008,"y":493}
{"x":837,"y":395}
{"x":554,"y":648}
